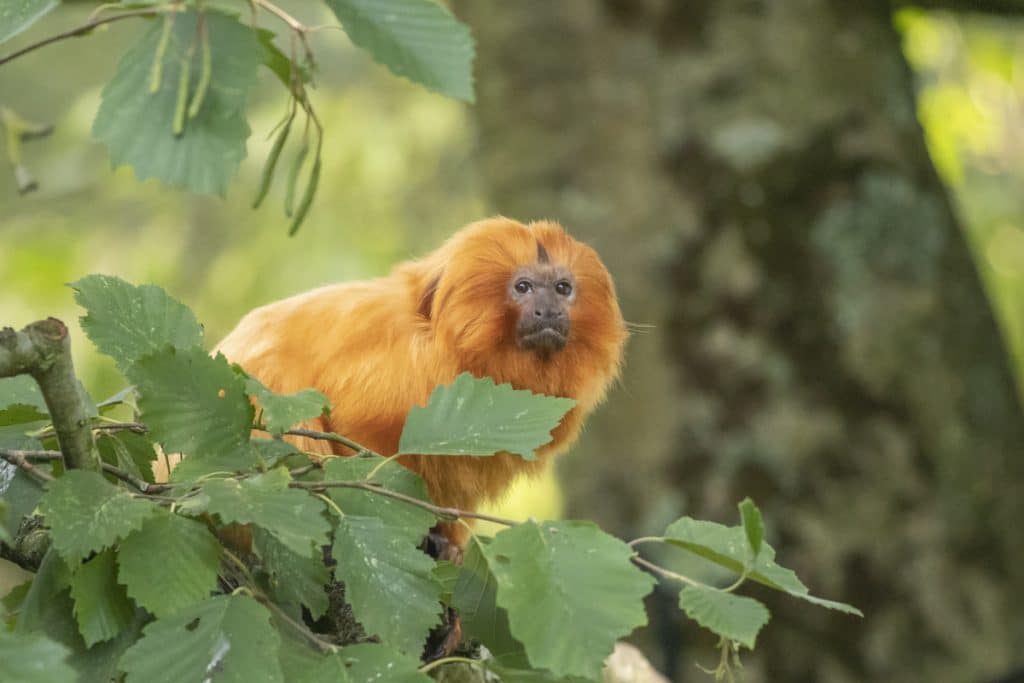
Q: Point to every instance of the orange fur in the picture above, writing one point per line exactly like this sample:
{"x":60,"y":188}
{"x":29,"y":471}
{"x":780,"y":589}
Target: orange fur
{"x":377,"y":348}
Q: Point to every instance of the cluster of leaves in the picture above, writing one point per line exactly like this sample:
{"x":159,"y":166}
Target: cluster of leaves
{"x":138,"y":582}
{"x":175,"y":108}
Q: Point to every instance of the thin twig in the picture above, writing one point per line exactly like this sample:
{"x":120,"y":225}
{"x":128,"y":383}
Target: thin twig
{"x":111,"y":427}
{"x":661,"y":571}
{"x":79,"y":31}
{"x":645,"y":539}
{"x":330,"y":436}
{"x":294,"y":24}
{"x":127,"y":477}
{"x":20,"y":460}
{"x":449,"y":660}
{"x":323,"y":645}
{"x":372,"y":487}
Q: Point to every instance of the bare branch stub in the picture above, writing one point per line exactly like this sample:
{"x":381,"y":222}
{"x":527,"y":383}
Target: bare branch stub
{"x":43,"y":351}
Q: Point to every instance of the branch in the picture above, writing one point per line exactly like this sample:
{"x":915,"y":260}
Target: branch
{"x":442,"y":512}
{"x":82,"y":30}
{"x":43,"y":350}
{"x":330,"y":436}
{"x":20,"y":459}
{"x":999,"y":7}
{"x":127,"y":477}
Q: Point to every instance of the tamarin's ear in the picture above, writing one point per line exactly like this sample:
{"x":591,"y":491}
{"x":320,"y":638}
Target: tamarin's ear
{"x":427,"y":297}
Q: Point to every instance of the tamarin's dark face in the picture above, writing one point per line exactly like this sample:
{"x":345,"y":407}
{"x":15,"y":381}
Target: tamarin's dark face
{"x":543,"y":293}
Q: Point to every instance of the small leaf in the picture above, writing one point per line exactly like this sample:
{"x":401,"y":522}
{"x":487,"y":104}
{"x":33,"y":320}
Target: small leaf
{"x":224,"y":639}
{"x":753,"y":525}
{"x":5,"y":536}
{"x":130,"y":452}
{"x":408,"y":521}
{"x":475,"y":597}
{"x":476,"y":417}
{"x":137,"y":125}
{"x":47,"y":605}
{"x":388,"y":582}
{"x":193,"y":404}
{"x":170,"y":564}
{"x":127,"y":322}
{"x":727,"y":547}
{"x":102,"y":607}
{"x":293,"y":579}
{"x":34,"y":658}
{"x":570,"y":590}
{"x":15,"y":17}
{"x":294,"y":517}
{"x":370,"y":663}
{"x":319,"y":668}
{"x":278,"y":62}
{"x":734,"y":617}
{"x":282,"y":411}
{"x":416,"y":39}
{"x":21,"y":389}
{"x":21,"y":493}
{"x":86,"y":513}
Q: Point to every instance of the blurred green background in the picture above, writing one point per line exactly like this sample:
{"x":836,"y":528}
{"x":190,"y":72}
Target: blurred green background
{"x":401,"y":173}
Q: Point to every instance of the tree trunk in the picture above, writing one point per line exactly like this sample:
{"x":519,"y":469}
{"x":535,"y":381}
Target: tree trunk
{"x":755,"y":177}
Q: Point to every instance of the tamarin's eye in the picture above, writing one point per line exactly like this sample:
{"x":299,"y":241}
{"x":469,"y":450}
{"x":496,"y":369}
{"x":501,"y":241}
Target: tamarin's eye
{"x":524,"y":286}
{"x":563,"y":288}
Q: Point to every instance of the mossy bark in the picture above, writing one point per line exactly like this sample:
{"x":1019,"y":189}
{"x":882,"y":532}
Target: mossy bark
{"x":754,"y":174}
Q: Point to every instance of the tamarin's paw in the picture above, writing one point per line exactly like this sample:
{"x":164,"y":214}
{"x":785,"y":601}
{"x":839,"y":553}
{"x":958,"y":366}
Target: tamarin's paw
{"x":444,"y":639}
{"x":440,"y":547}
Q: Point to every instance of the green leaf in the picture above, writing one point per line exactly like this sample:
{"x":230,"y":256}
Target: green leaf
{"x":5,"y":536}
{"x":48,"y":608}
{"x":102,"y":607}
{"x":475,"y":596}
{"x":170,"y":564}
{"x":137,"y":125}
{"x":21,"y":414}
{"x":33,"y":658}
{"x":731,"y":616}
{"x":15,"y":17}
{"x":225,"y":639}
{"x":278,"y":62}
{"x":728,"y":547}
{"x":475,"y":417}
{"x":416,"y":39}
{"x":388,"y":582}
{"x":194,"y":404}
{"x":408,"y":521}
{"x":570,"y":590}
{"x":294,"y":517}
{"x":40,"y":609}
{"x":753,"y":525}
{"x":273,"y":451}
{"x":280,"y":411}
{"x":127,"y":322}
{"x":325,"y":668}
{"x":21,"y":493}
{"x":446,"y":573}
{"x":86,"y":513}
{"x":292,"y":579}
{"x":133,"y":453}
{"x":371,"y":663}
{"x":21,"y":389}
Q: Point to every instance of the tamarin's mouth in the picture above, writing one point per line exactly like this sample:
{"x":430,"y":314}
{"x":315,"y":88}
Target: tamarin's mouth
{"x":546,"y":338}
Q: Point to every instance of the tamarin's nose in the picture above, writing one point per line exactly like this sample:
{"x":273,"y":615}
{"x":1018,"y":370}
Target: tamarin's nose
{"x":549,"y":314}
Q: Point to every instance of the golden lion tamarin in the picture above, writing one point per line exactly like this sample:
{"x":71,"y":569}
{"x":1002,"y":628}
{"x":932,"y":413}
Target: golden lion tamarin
{"x":524,"y":304}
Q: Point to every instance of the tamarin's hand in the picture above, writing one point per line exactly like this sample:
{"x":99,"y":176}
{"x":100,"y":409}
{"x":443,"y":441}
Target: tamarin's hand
{"x":524,"y":304}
